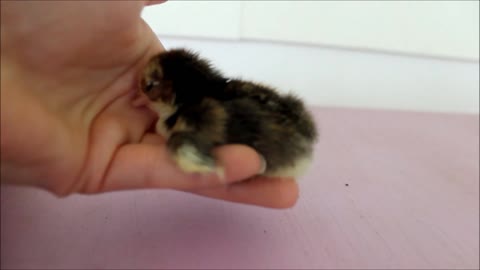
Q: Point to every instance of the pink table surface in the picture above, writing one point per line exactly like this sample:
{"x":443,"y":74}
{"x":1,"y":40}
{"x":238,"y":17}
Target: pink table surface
{"x":412,"y":201}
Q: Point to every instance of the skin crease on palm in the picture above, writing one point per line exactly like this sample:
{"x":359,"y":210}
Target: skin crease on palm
{"x":68,"y":120}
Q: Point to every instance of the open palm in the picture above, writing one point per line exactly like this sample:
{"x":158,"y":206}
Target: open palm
{"x":69,"y":75}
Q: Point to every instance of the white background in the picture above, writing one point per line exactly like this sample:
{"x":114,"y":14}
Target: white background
{"x":399,"y":55}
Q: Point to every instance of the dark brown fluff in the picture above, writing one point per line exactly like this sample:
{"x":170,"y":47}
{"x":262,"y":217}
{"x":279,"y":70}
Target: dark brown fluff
{"x":208,"y":110}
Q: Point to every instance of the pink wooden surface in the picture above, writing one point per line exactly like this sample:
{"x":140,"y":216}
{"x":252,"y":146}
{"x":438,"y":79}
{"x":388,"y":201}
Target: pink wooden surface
{"x":411,"y":202}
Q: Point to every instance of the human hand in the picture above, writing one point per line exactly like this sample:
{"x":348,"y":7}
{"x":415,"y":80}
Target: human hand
{"x":68,"y":123}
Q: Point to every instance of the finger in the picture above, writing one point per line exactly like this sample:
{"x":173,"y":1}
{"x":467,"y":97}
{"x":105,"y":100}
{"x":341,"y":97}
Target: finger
{"x":273,"y":193}
{"x":223,"y":154}
{"x":149,"y":165}
{"x":153,"y":138}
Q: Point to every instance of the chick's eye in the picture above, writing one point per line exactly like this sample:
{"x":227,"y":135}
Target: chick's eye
{"x":149,"y":86}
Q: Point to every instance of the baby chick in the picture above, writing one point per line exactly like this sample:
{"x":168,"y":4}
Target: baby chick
{"x":199,"y":109}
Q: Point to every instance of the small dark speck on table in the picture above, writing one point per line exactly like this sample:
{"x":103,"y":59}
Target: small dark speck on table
{"x":346,"y":185}
{"x":264,"y":231}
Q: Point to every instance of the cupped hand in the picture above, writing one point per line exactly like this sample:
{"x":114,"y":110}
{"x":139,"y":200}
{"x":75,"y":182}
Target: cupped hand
{"x":68,"y":124}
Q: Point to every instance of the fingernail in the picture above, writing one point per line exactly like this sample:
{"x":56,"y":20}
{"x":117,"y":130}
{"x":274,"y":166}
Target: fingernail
{"x":220,"y":172}
{"x":263,"y":166}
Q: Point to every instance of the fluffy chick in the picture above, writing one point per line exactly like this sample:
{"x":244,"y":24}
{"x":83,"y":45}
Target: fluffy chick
{"x":199,"y":109}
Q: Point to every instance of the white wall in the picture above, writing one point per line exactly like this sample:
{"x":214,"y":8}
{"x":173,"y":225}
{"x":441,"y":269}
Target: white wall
{"x":233,"y":35}
{"x":336,"y":77}
{"x":436,"y":28}
{"x":217,"y":19}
